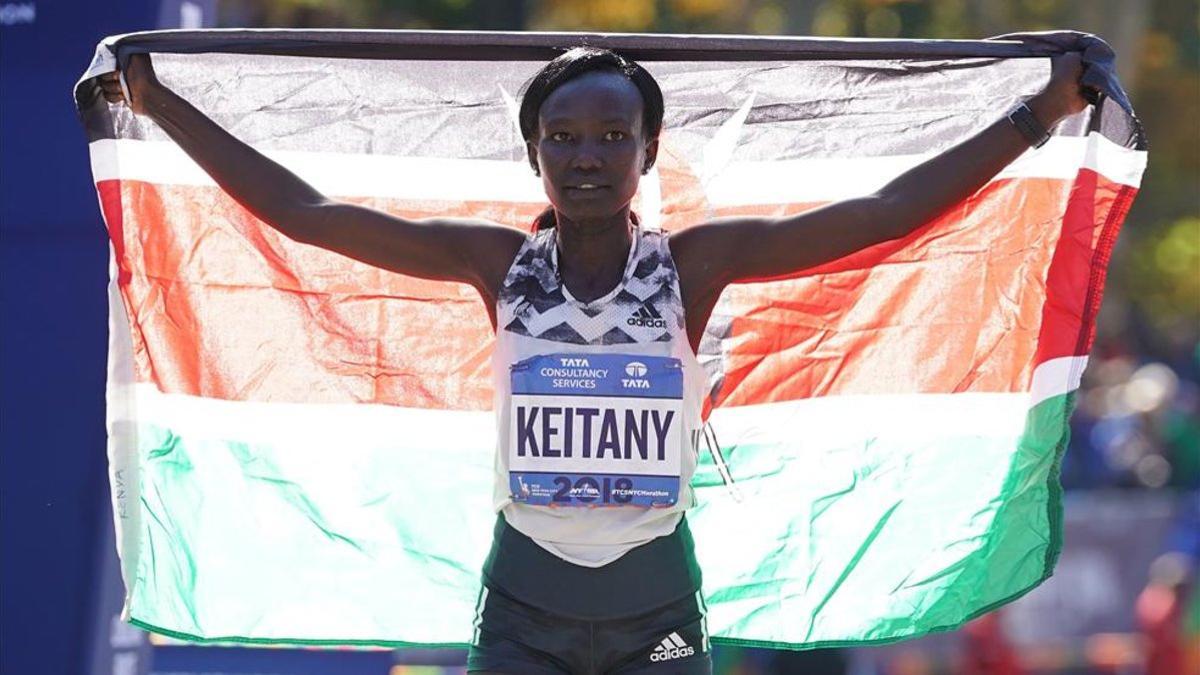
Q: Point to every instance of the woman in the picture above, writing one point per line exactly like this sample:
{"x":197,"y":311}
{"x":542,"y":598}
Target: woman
{"x":597,"y":324}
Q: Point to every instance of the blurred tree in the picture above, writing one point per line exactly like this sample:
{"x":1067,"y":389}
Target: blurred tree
{"x":1165,"y":269}
{"x":1160,"y":267}
{"x":614,"y":15}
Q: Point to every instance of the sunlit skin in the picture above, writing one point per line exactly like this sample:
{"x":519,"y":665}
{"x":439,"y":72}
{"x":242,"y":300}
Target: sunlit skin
{"x":590,"y":132}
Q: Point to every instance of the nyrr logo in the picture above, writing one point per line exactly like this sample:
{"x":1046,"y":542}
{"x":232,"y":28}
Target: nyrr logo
{"x":671,"y":647}
{"x":647,"y":317}
{"x":636,"y":370}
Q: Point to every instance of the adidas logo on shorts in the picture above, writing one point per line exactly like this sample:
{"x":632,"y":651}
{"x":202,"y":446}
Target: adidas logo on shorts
{"x":647,"y":317}
{"x":671,"y":647}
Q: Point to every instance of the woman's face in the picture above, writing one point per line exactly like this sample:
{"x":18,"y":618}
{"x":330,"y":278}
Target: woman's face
{"x":590,"y":146}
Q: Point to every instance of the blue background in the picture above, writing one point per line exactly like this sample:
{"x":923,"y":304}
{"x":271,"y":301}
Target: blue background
{"x":52,"y":347}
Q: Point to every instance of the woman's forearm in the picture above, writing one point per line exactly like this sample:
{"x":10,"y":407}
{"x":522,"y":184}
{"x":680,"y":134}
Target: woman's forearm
{"x":921,"y":193}
{"x":451,"y":249}
{"x":266,"y":189}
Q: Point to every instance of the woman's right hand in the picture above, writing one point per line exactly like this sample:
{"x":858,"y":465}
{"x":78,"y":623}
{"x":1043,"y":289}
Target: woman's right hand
{"x":139,"y":77}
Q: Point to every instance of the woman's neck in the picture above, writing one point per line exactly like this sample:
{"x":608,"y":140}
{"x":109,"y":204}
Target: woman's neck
{"x":592,"y":254}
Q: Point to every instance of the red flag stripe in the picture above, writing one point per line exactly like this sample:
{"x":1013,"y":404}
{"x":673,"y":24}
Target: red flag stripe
{"x":246,"y":314}
{"x":891,"y":335}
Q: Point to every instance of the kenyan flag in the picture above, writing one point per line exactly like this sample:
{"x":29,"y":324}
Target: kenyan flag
{"x":301,"y":445}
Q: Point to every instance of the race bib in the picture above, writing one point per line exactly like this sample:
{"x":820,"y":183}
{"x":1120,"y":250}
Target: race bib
{"x":596,"y":430}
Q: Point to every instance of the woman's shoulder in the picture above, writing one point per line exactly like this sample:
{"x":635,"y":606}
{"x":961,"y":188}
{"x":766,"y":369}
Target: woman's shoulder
{"x":655,"y":240}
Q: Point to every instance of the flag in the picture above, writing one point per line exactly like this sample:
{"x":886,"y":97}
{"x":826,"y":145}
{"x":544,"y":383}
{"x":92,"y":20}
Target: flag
{"x":301,"y":446}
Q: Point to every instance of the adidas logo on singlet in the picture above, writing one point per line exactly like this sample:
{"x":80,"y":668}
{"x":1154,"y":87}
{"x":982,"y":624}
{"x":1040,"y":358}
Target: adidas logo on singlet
{"x":647,"y":317}
{"x":671,"y":647}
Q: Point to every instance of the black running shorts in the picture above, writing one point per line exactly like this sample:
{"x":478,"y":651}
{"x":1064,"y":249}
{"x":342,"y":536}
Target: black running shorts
{"x":513,"y":637}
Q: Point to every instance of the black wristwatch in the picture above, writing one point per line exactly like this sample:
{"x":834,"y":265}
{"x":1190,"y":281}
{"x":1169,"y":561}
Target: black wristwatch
{"x":1025,"y":122}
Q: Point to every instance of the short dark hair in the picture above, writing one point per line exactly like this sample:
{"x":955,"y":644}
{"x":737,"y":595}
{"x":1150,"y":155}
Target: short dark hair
{"x":572,"y":64}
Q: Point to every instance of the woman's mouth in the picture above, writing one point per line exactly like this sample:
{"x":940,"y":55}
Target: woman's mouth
{"x":586,"y":191}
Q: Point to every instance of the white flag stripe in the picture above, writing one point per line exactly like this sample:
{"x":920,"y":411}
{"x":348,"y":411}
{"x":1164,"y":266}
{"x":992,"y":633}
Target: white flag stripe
{"x":738,"y":183}
{"x":824,"y":419}
{"x":838,"y":419}
{"x":832,"y":179}
{"x":335,"y":174}
{"x":650,"y":209}
{"x":719,"y":149}
{"x":1056,"y":377}
{"x":315,"y":424}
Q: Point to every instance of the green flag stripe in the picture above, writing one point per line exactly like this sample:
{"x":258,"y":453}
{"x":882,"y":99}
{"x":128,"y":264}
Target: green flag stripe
{"x":322,"y":538}
{"x":936,"y":532}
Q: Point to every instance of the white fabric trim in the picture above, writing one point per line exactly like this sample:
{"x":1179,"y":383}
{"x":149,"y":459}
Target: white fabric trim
{"x":483,"y":594}
{"x":121,"y":414}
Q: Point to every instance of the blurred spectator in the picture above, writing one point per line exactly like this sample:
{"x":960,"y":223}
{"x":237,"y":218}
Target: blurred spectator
{"x":987,"y":649}
{"x":1137,"y":418}
{"x":1160,"y":613}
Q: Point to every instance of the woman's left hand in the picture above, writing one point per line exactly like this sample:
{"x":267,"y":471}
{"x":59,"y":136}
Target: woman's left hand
{"x":1063,"y":94}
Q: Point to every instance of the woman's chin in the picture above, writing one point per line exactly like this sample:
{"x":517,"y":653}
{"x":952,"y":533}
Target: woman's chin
{"x":589,"y":209}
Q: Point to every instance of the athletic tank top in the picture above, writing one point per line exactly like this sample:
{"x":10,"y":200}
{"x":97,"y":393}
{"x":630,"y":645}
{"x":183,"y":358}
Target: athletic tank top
{"x":630,"y":346}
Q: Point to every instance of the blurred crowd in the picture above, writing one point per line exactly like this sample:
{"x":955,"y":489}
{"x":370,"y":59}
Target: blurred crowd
{"x":1137,"y":417}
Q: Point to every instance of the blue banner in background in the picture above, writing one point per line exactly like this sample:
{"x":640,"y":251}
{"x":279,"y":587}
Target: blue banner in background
{"x":57,"y":614}
{"x":187,"y":14}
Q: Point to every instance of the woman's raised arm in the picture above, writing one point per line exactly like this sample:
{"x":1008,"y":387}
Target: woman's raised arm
{"x":474,"y":252}
{"x":761,"y":248}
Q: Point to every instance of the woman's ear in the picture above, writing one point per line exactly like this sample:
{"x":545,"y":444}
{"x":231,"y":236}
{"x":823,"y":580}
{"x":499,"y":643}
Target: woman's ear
{"x":651,"y":155}
{"x":531,"y":152}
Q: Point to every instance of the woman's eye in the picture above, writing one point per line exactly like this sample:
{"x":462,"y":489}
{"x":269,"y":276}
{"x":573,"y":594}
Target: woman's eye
{"x":560,"y":136}
{"x":614,"y":136}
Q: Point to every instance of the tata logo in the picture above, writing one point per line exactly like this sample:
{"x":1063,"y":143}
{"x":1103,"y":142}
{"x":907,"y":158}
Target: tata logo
{"x":636,"y":370}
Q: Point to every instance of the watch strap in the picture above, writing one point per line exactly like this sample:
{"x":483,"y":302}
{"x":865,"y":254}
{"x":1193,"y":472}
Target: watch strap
{"x":1024,"y":120}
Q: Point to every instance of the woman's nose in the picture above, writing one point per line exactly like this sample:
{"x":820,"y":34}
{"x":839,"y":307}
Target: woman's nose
{"x":587,"y":159}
